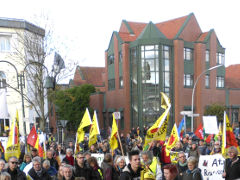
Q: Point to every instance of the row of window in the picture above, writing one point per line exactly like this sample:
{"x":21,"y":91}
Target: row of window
{"x":111,"y":84}
{"x":111,"y":58}
{"x":188,"y":81}
{"x":188,"y":56}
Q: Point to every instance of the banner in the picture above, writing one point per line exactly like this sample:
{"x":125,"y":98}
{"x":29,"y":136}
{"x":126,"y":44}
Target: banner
{"x":211,"y":166}
{"x":210,"y":124}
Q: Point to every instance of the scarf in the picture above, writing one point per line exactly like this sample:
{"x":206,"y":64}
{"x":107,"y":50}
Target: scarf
{"x":182,"y":164}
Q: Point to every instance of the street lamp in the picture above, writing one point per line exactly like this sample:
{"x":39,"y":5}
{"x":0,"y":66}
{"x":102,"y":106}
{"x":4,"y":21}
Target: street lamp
{"x":21,"y":84}
{"x":192,"y":115}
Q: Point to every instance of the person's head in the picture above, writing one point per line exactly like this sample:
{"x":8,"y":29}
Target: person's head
{"x":36,"y":163}
{"x":201,"y":142}
{"x":87,"y":155}
{"x":217,"y":145}
{"x":2,"y":164}
{"x":49,"y":154}
{"x":192,"y":163}
{"x":178,"y":145}
{"x":70,"y":143}
{"x":146,"y":157}
{"x":27,"y":158}
{"x":92,"y":161}
{"x":46,"y":164}
{"x":59,"y":147}
{"x":67,"y":172}
{"x":194,"y":145}
{"x":69,"y":152}
{"x":190,"y":142}
{"x":5,"y":176}
{"x":170,"y":171}
{"x":184,"y":139}
{"x":13,"y":163}
{"x":92,"y":148}
{"x":80,"y":159}
{"x":60,"y":171}
{"x":34,"y":152}
{"x":181,"y":157}
{"x":134,"y":159}
{"x":108,"y":158}
{"x":121,"y":162}
{"x":232,"y":152}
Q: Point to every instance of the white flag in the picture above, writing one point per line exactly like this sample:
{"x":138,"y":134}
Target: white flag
{"x":3,"y":104}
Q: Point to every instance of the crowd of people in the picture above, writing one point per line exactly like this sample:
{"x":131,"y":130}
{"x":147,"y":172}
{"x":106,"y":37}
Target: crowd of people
{"x":151,"y":162}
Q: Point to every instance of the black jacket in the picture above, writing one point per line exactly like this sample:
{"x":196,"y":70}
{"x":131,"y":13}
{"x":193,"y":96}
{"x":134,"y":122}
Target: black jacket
{"x":192,"y":175}
{"x":232,"y":170}
{"x":181,"y":170}
{"x":129,"y":174}
{"x":97,"y":174}
{"x":109,"y":171}
{"x":82,"y":172}
{"x":16,"y":174}
{"x":53,"y":163}
{"x":43,"y":176}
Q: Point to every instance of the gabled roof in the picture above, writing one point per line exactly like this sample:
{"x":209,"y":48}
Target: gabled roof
{"x":92,"y":75}
{"x":203,"y":36}
{"x":232,"y":76}
{"x":151,"y":31}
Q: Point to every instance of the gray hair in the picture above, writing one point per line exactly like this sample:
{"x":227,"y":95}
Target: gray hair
{"x":1,"y":160}
{"x":12,"y":157}
{"x":68,"y":167}
{"x":46,"y":162}
{"x":69,"y":150}
{"x":120,"y":159}
{"x":4,"y":175}
{"x":36,"y":159}
{"x":181,"y":152}
{"x":234,"y":149}
{"x":192,"y":160}
{"x":148,"y":153}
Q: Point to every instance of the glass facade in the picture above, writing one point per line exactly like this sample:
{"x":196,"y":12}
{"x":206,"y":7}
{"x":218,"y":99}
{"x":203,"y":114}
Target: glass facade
{"x":150,"y":74}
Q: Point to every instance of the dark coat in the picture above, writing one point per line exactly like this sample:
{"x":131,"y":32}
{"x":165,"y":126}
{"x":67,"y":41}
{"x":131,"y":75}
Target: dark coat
{"x":82,"y":172}
{"x":53,"y":163}
{"x":192,"y":175}
{"x":16,"y":174}
{"x":109,"y":172}
{"x":181,"y":170}
{"x":43,"y":176}
{"x":232,"y":170}
{"x":97,"y":173}
{"x":129,"y":174}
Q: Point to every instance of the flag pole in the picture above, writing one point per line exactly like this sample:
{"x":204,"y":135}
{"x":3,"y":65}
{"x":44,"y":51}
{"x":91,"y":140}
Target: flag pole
{"x":120,"y":143}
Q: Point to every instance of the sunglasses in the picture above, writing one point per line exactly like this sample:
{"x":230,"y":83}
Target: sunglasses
{"x":13,"y":162}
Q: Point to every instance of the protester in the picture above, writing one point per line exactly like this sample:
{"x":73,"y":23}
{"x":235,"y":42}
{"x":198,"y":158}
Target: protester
{"x":109,"y":171}
{"x":80,"y":169}
{"x":26,"y":160}
{"x":13,"y":170}
{"x":194,"y":151}
{"x":60,"y":172}
{"x":119,"y":164}
{"x":193,"y":172}
{"x":202,"y":147}
{"x":34,"y":152}
{"x":37,"y":172}
{"x":2,"y":165}
{"x":69,"y":159}
{"x":52,"y":160}
{"x":170,"y":172}
{"x":68,"y":172}
{"x":216,"y":148}
{"x":181,"y":164}
{"x":133,"y":169}
{"x":97,"y":172}
{"x":232,"y":165}
{"x":5,"y":176}
{"x":50,"y":169}
{"x":178,"y":147}
{"x":60,"y":152}
{"x":71,"y":146}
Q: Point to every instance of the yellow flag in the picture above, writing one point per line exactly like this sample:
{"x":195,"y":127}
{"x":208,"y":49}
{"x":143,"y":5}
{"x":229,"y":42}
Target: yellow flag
{"x":17,"y":117}
{"x":94,"y":130}
{"x":86,"y":121}
{"x":113,"y":139}
{"x":158,"y":131}
{"x":13,"y":144}
{"x":173,"y":139}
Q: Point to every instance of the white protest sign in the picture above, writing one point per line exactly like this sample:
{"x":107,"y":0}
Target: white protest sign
{"x":4,"y":141}
{"x":100,"y":158}
{"x":211,"y":166}
{"x":210,"y":124}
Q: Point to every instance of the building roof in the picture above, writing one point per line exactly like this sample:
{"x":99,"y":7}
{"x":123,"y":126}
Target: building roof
{"x":21,"y":24}
{"x":92,"y":75}
{"x":232,"y":76}
{"x":203,"y":36}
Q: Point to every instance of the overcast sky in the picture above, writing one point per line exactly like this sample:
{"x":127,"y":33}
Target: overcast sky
{"x":83,"y":28}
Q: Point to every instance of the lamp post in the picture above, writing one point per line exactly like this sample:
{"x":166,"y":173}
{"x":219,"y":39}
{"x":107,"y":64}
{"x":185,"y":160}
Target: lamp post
{"x":192,"y":115}
{"x":21,"y":85}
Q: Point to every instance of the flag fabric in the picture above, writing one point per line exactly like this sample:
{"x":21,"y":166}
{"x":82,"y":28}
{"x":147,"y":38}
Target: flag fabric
{"x":17,"y":117}
{"x":86,"y":121}
{"x":181,"y":127}
{"x":13,"y":144}
{"x":158,"y":131}
{"x":1,"y":148}
{"x":209,"y":138}
{"x":228,"y":137}
{"x":199,"y":131}
{"x":32,"y":137}
{"x":113,"y":139}
{"x":94,"y":130}
{"x":173,"y":139}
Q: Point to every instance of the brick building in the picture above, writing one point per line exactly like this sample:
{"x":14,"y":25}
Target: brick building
{"x":144,"y":59}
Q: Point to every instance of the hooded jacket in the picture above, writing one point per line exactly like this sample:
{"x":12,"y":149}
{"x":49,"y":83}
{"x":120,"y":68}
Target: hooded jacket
{"x":129,"y":174}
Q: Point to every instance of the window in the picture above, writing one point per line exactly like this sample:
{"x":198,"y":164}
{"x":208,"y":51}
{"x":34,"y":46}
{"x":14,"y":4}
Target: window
{"x":110,"y":59}
{"x":207,"y":81}
{"x":188,"y":80}
{"x":111,"y":84}
{"x":166,"y":68}
{"x":207,"y":57}
{"x":3,"y":82}
{"x":120,"y":57}
{"x":220,"y":58}
{"x":220,"y":82}
{"x":5,"y":43}
{"x":120,"y":82}
{"x":188,"y":54}
{"x":122,"y":120}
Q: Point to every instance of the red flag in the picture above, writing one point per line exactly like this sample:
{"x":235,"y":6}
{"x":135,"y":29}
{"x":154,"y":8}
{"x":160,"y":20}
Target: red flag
{"x":209,"y":138}
{"x":32,"y":137}
{"x":199,"y":132}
